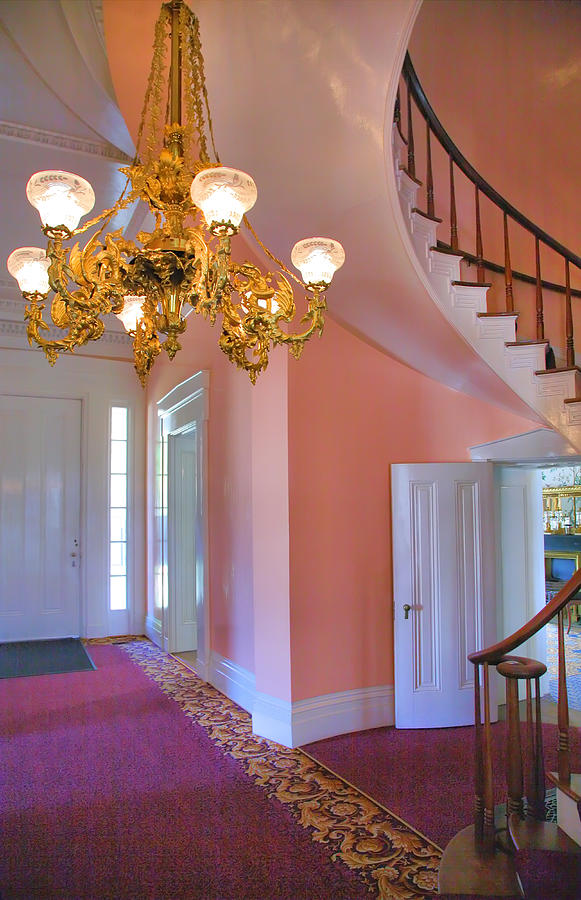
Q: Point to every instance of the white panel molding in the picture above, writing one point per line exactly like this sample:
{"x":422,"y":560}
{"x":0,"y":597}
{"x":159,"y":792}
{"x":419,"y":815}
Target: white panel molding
{"x":313,"y":719}
{"x":14,"y":131}
{"x":425,"y":592}
{"x":470,"y":617}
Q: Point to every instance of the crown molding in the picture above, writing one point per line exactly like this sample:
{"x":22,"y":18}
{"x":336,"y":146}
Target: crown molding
{"x":15,"y":131}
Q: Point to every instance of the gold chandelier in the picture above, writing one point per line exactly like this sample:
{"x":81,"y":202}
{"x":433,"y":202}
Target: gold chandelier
{"x":198,"y":205}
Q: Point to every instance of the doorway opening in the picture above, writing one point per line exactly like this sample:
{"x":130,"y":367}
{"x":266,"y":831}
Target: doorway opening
{"x":183,"y":588}
{"x":561,"y":488}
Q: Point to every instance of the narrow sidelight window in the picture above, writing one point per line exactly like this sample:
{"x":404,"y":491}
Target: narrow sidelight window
{"x":118,"y":510}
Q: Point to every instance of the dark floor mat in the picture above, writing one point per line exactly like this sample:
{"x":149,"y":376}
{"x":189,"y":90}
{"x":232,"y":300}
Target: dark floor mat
{"x":52,"y":657}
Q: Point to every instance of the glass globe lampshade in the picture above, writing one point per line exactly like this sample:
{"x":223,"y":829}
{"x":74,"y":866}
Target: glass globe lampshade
{"x":61,"y":198}
{"x":29,"y":265}
{"x":317,"y":259}
{"x":223,"y":195}
{"x":132,"y":311}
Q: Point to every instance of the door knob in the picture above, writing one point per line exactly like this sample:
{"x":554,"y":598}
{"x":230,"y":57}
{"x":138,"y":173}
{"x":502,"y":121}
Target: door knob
{"x":406,"y":610}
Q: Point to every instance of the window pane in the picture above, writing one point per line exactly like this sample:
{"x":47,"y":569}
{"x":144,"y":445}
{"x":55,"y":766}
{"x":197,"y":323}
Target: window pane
{"x":118,"y":423}
{"x":118,"y":490}
{"x":118,"y":456}
{"x":118,"y":558}
{"x":118,"y":525}
{"x":118,"y":592}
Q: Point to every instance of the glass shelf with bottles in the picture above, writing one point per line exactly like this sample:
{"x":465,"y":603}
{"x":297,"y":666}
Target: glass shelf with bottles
{"x":562,"y":510}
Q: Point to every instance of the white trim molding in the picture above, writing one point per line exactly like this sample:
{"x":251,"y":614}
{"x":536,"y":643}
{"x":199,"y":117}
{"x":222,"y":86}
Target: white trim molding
{"x":15,"y":131}
{"x":304,"y":721}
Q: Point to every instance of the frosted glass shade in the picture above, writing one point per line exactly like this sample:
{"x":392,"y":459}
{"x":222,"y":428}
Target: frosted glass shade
{"x":223,"y":195}
{"x":61,"y":198}
{"x":132,"y":311}
{"x":29,"y":265}
{"x":317,"y":259}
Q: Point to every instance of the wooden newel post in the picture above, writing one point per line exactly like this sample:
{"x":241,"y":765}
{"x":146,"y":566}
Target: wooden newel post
{"x":478,"y":764}
{"x":564,"y":758}
{"x":488,"y":830}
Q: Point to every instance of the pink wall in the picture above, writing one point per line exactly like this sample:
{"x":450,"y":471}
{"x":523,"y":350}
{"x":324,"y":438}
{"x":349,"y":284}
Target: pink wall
{"x":352,"y":412}
{"x":229,"y":483}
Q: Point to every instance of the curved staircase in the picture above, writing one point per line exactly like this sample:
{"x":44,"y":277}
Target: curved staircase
{"x":523,"y":855}
{"x":527,"y":366}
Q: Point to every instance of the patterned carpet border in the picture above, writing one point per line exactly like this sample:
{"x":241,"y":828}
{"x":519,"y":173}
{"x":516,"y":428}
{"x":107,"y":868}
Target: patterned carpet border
{"x":391,"y":858}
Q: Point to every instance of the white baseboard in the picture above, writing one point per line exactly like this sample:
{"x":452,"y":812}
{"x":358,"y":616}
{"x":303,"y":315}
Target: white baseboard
{"x":293,"y":724}
{"x":232,"y":680}
{"x":272,"y":719}
{"x":153,"y":630}
{"x":320,"y":717}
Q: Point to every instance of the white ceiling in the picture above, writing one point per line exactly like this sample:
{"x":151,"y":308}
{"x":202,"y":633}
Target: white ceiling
{"x":301,"y":93}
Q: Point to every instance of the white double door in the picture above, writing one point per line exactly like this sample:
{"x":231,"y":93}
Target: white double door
{"x":40,"y":459}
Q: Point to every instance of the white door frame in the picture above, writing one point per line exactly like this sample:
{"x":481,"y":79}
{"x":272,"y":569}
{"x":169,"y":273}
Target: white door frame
{"x":184,"y":408}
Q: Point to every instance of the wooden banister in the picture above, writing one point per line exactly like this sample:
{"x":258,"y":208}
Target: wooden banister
{"x":417,"y":92}
{"x":495,"y":653}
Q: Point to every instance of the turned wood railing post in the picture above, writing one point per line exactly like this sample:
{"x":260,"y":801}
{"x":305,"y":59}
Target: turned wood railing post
{"x":507,"y":268}
{"x":539,"y":294}
{"x":478,"y":763}
{"x":514,"y":776}
{"x":411,"y":169}
{"x":488,"y":816}
{"x":453,"y":216}
{"x":569,"y":317}
{"x":536,"y":767}
{"x":429,"y":174}
{"x":480,"y":271}
{"x":564,"y":761}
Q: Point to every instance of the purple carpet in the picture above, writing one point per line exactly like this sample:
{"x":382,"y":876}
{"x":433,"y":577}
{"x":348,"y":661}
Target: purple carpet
{"x":426,"y":777}
{"x":109,"y":791}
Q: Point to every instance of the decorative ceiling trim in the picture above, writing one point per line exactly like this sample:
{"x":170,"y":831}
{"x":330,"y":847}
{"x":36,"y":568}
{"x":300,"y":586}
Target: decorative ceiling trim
{"x":16,"y":132}
{"x":12,"y":327}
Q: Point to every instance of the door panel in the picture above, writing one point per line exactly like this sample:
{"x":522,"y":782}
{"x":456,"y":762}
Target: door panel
{"x":444,"y":571}
{"x":39,"y":518}
{"x":182,"y":518}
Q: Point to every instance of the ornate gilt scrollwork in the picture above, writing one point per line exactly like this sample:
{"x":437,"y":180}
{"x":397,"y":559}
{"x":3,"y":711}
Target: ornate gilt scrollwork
{"x":179,"y":262}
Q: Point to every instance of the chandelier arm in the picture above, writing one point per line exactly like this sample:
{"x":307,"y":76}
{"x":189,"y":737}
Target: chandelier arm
{"x":270,"y":254}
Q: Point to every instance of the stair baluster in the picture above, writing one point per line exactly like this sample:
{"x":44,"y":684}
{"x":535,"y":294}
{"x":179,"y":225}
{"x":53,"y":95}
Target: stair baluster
{"x":507,"y":268}
{"x":481,"y":272}
{"x":539,"y":293}
{"x":429,"y":175}
{"x":453,"y":216}
{"x":411,"y":169}
{"x":569,"y":317}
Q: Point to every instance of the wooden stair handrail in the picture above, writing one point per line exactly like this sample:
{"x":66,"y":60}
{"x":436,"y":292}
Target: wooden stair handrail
{"x":495,"y":653}
{"x":417,"y":91}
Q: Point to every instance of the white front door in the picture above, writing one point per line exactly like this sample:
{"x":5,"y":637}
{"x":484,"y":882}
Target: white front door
{"x":182,"y":523}
{"x":40,"y":459}
{"x":444,"y":588}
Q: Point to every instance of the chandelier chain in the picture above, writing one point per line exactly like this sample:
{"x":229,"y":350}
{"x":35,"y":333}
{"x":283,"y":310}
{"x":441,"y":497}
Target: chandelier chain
{"x":270,"y":254}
